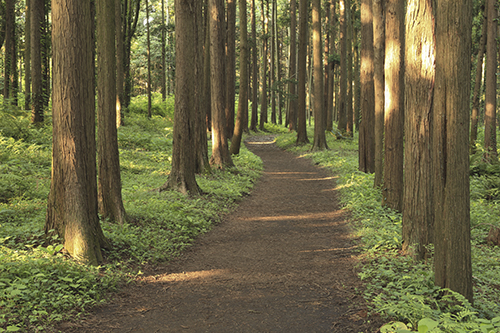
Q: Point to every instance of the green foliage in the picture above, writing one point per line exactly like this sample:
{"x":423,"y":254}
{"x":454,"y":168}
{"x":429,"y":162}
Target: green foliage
{"x":397,"y":287}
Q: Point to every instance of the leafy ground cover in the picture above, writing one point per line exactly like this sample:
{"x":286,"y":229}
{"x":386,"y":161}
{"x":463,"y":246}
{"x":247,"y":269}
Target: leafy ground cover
{"x":39,"y":284}
{"x":397,"y":287}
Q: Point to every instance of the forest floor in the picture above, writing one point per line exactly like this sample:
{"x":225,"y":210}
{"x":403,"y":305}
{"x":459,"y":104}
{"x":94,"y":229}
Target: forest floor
{"x":283,"y":261}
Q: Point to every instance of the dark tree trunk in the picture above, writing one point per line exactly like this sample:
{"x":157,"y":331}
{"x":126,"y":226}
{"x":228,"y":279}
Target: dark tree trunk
{"x":27,"y":58}
{"x":342,"y":115}
{"x":418,"y":211}
{"x":490,"y":137}
{"x":230,"y":66}
{"x":36,"y":11}
{"x":120,"y":78}
{"x":243,"y":97}
{"x":367,"y":124}
{"x":392,"y":194}
{"x":109,"y":181}
{"x":255,"y":72}
{"x":10,"y":84}
{"x":378,"y":63}
{"x":263,"y":82}
{"x":182,"y":177}
{"x":72,"y":202}
{"x":452,"y":264}
{"x":319,"y":125}
{"x":292,"y":85}
{"x":148,"y":38}
{"x":220,"y":153}
{"x":301,"y":68}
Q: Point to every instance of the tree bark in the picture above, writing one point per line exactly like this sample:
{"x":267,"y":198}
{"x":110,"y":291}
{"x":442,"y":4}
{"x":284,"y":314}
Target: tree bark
{"x":182,"y":177}
{"x":349,"y":93}
{"x":392,"y":194}
{"x":109,"y":181}
{"x":418,"y":209}
{"x":331,"y":68}
{"x":263,"y":82}
{"x":72,"y":202}
{"x":319,"y":142}
{"x":477,"y":87}
{"x":36,"y":11}
{"x":27,"y":57}
{"x":490,"y":137}
{"x":378,"y":76}
{"x":243,"y":96}
{"x":10,"y":61}
{"x":301,"y":68}
{"x":367,"y":125}
{"x":220,"y":153}
{"x":255,"y":72}
{"x":342,"y":109}
{"x":163,"y":53}
{"x":149,"y":58}
{"x":230,"y":66}
{"x":292,"y":84}
{"x":452,"y":265}
{"x":120,"y":78}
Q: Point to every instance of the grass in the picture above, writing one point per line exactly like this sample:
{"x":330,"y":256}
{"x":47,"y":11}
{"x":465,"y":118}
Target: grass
{"x":397,"y":287}
{"x":39,"y":285}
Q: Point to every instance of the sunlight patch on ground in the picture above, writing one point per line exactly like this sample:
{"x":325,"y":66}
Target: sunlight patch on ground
{"x":261,"y":142}
{"x":314,"y":216}
{"x":330,"y":250}
{"x":187,"y":276}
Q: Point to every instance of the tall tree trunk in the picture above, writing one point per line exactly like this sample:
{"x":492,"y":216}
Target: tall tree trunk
{"x":255,"y":71}
{"x":490,"y":137}
{"x":477,"y":86}
{"x":418,"y":211}
{"x":331,"y":68}
{"x":263,"y":83}
{"x":72,"y":202}
{"x":27,"y":57}
{"x":120,"y":78}
{"x":319,"y":125}
{"x":292,"y":84}
{"x":131,"y":14}
{"x":342,"y":115}
{"x":36,"y":11}
{"x":243,"y":96}
{"x":163,"y":53}
{"x":301,"y":69}
{"x":201,"y":98}
{"x":392,"y":194}
{"x":378,"y":75}
{"x":206,"y":74}
{"x":10,"y":62}
{"x":272,"y":80}
{"x":182,"y":177}
{"x":230,"y":66}
{"x":46,"y":54}
{"x":149,"y":58}
{"x":452,"y":265}
{"x":367,"y":125}
{"x":220,"y":153}
{"x":349,"y":92}
{"x":357,"y":80}
{"x":109,"y":181}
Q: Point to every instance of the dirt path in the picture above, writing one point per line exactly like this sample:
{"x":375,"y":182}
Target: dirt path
{"x":282,"y":262}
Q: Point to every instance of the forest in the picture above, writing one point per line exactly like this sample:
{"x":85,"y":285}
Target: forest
{"x":122,"y":128}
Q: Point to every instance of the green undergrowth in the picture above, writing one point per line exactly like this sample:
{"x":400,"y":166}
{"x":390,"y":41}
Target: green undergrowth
{"x":398,"y":288}
{"x":39,"y":284}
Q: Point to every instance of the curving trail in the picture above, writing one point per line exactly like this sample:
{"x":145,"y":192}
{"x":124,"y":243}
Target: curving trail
{"x":281,"y":262}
